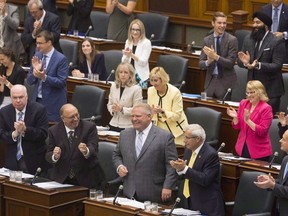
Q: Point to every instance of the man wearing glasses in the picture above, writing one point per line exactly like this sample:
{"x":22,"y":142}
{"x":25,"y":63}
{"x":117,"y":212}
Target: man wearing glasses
{"x":48,"y":74}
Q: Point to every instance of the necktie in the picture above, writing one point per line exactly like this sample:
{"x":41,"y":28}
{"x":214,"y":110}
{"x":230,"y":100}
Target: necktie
{"x":257,"y":49}
{"x":1,"y":31}
{"x":186,"y":191}
{"x":43,"y":67}
{"x":70,"y":138}
{"x":275,"y":20}
{"x":19,"y":139}
{"x":139,"y":143}
{"x":218,"y":67}
{"x":285,"y":171}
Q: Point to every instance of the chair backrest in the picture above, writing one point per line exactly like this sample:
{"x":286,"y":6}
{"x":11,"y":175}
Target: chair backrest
{"x":240,"y":35}
{"x":157,"y":25}
{"x":90,"y":101}
{"x":112,"y":60}
{"x":250,"y":199}
{"x":209,"y":119}
{"x":100,"y":24}
{"x":70,"y":50}
{"x":284,"y":98}
{"x":238,"y":92}
{"x":274,"y":137}
{"x":175,"y":66}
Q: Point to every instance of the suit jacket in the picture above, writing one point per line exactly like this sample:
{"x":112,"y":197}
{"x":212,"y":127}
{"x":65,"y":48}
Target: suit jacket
{"x":258,"y":141}
{"x":283,"y":22}
{"x":10,"y":35}
{"x":33,"y":142}
{"x":143,"y":51}
{"x":150,"y":172}
{"x":80,"y":12}
{"x":50,"y":23}
{"x":270,"y":55}
{"x":50,"y":5}
{"x":229,"y":49}
{"x":130,"y":96}
{"x":87,"y":170}
{"x":281,"y":189}
{"x":97,"y":67}
{"x":204,"y":186}
{"x":174,"y":116}
{"x":54,"y":93}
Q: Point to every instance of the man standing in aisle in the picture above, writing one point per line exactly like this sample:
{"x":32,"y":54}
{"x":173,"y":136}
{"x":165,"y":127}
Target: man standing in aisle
{"x":262,"y":55}
{"x":218,"y":57}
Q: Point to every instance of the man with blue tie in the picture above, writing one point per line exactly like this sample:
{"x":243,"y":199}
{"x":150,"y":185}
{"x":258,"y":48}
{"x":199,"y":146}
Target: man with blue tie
{"x":48,"y":74}
{"x":24,"y":127}
{"x":218,"y":57}
{"x":142,"y":158}
{"x":278,"y":12}
{"x":278,"y":186}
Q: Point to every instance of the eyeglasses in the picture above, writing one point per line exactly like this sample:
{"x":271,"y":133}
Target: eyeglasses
{"x":136,"y":30}
{"x":250,"y":93}
{"x":193,"y":137}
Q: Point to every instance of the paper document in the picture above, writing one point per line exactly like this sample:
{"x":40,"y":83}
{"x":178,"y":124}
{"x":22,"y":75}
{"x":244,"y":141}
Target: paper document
{"x":51,"y":185}
{"x":6,"y":172}
{"x":275,"y":166}
{"x":126,"y":201}
{"x":78,"y":78}
{"x":236,"y":158}
{"x":182,"y":212}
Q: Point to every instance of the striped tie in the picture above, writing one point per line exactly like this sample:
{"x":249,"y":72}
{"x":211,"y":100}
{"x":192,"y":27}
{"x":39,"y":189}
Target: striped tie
{"x":186,"y":191}
{"x":19,"y":139}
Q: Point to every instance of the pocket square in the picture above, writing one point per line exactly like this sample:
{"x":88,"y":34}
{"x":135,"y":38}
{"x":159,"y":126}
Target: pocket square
{"x":266,"y":49}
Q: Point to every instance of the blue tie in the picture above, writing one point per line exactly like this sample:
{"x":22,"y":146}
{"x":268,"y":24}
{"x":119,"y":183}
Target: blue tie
{"x":43,"y":67}
{"x":19,"y":139}
{"x":285,"y":171}
{"x":275,"y":20}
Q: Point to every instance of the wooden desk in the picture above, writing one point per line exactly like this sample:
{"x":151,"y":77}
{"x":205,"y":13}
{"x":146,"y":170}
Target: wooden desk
{"x":26,"y":200}
{"x":95,"y":208}
{"x":2,"y":203}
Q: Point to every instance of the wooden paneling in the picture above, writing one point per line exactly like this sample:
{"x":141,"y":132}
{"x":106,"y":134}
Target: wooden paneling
{"x":170,"y":6}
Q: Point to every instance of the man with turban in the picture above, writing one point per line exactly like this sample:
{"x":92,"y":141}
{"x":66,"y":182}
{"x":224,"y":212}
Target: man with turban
{"x":262,"y":54}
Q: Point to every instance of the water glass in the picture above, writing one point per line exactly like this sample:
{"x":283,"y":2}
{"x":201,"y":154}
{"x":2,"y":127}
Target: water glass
{"x":90,"y":77}
{"x":203,"y":95}
{"x":18,"y":176}
{"x":99,"y":195}
{"x":92,"y":194}
{"x":147,"y":206}
{"x":12,"y":175}
{"x":154,"y":207}
{"x":76,"y":33}
{"x":96,"y":77}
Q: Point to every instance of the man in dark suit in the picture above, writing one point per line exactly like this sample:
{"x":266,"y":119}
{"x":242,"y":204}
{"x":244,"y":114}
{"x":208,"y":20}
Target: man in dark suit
{"x":39,"y":20}
{"x":74,"y":156}
{"x":48,"y":74}
{"x":25,"y":136}
{"x":262,"y":55}
{"x":142,"y":158}
{"x":278,"y":12}
{"x":219,"y":59}
{"x":280,"y":185}
{"x":201,"y":186}
{"x":50,"y":5}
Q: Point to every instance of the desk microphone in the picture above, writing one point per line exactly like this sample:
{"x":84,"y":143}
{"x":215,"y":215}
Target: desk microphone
{"x":151,"y":37}
{"x":38,"y":171}
{"x":192,"y":45}
{"x":227,"y":92}
{"x":221,"y":147}
{"x":88,"y":30}
{"x":117,"y":194}
{"x":92,"y":118}
{"x":273,"y":158}
{"x":182,"y":84}
{"x":112,"y":72}
{"x":177,"y":201}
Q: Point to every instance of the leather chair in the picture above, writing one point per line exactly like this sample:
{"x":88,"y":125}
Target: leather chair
{"x":100,"y":24}
{"x":90,"y":101}
{"x":175,"y":66}
{"x":112,"y":60}
{"x":275,"y":138}
{"x":209,"y":119}
{"x":157,"y":25}
{"x":251,"y":200}
{"x":240,"y":34}
{"x":70,"y":50}
{"x":284,"y":98}
{"x":105,"y":159}
{"x":239,"y":91}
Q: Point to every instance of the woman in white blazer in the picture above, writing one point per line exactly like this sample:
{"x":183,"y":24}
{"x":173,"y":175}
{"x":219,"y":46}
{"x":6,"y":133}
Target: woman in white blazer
{"x":137,"y":51}
{"x":124,"y":94}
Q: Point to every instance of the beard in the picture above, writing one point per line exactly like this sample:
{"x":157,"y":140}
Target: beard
{"x":257,"y":34}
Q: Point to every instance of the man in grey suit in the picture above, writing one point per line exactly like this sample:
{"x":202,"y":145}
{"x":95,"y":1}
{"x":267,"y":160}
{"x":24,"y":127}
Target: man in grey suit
{"x":263,"y":54}
{"x":219,"y":59}
{"x":142,"y":158}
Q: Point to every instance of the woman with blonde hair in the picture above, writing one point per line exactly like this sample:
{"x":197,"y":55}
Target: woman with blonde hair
{"x":124,"y":94}
{"x":167,"y":104}
{"x":137,"y":51}
{"x":253,"y":119}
